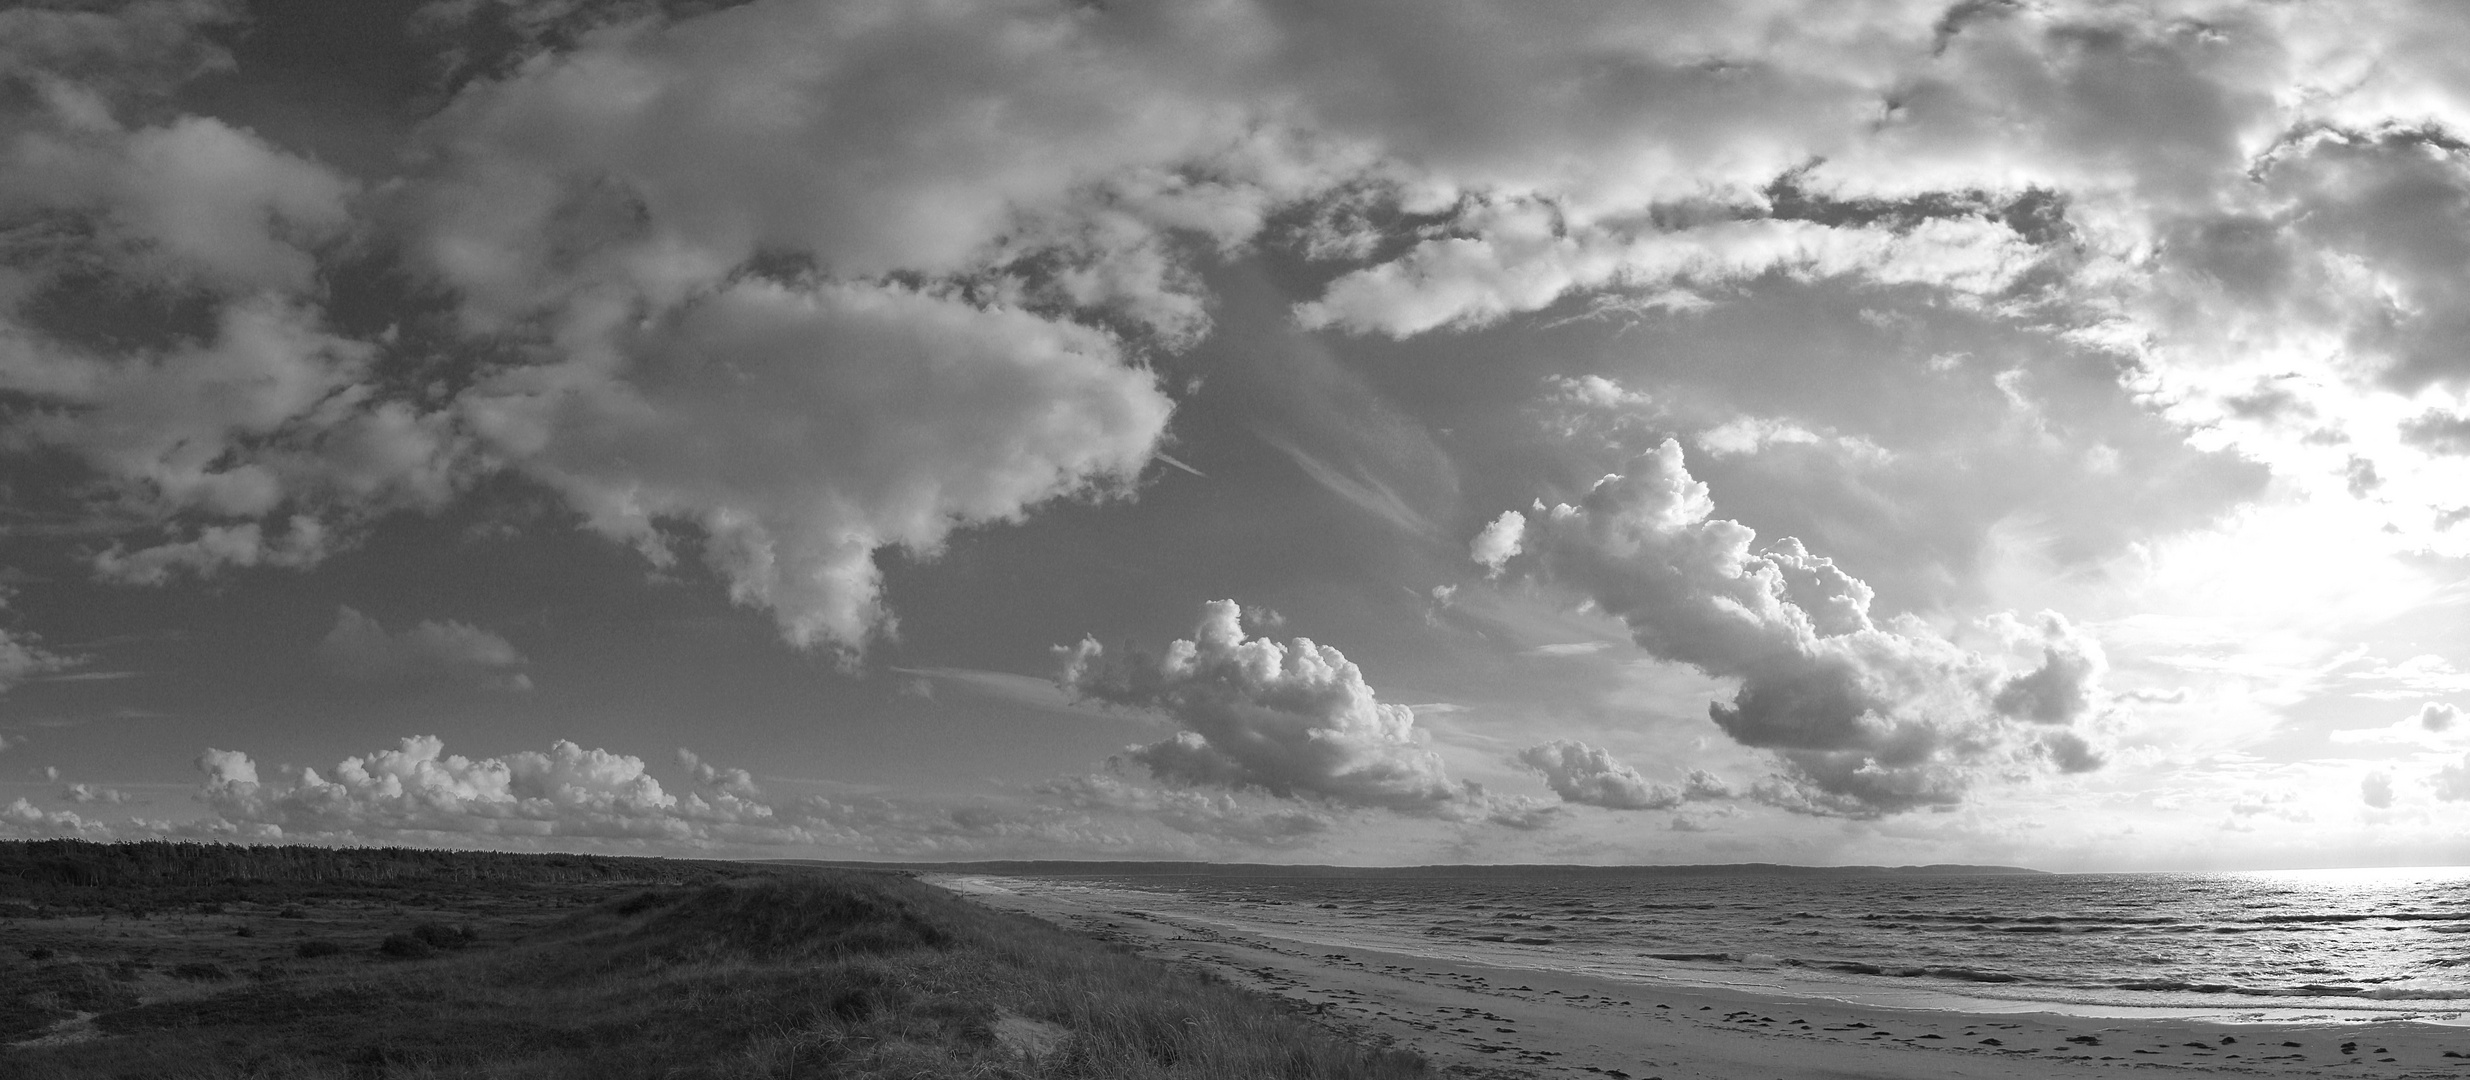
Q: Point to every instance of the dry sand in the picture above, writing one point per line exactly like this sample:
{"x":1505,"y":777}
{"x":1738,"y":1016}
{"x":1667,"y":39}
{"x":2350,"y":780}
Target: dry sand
{"x":1482,"y":1019}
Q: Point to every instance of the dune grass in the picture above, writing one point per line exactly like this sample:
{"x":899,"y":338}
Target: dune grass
{"x":776,"y":972}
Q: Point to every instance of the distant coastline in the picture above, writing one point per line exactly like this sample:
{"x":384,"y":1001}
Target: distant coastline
{"x":1071,"y":868}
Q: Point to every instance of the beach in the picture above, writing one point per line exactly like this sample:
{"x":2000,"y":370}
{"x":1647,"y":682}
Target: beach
{"x":1483,"y":1012}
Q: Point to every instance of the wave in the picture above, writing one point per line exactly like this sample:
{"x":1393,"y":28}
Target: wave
{"x":2382,"y":993}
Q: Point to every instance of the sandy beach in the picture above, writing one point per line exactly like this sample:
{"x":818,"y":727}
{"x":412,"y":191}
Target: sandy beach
{"x":1476,"y":1017}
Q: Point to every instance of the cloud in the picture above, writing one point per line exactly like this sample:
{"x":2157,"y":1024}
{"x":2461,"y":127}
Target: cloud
{"x":2376,"y":790}
{"x":569,"y":797}
{"x":737,"y":783}
{"x":752,"y":180}
{"x":1522,"y":258}
{"x":2438,"y":716}
{"x":226,"y":767}
{"x":1499,"y":542}
{"x":21,"y":658}
{"x":2452,"y":782}
{"x":359,"y":649}
{"x":22,"y":818}
{"x":417,"y":790}
{"x":1217,"y":815}
{"x":1567,"y":648}
{"x":2432,"y":723}
{"x":1356,"y":484}
{"x":95,"y":793}
{"x":161,"y":315}
{"x":1591,"y":776}
{"x":215,"y":548}
{"x":1294,"y":720}
{"x":2438,"y":432}
{"x":802,"y":427}
{"x":1025,"y":691}
{"x":700,"y":251}
{"x":1597,"y":392}
{"x":2065,"y":687}
{"x":1866,"y":718}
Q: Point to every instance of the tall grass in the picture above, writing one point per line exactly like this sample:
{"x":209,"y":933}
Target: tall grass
{"x":781,"y":973}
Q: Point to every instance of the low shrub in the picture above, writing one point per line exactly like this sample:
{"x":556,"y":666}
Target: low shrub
{"x":311,"y":950}
{"x":200,"y":971}
{"x":442,"y":936}
{"x":406,"y":947}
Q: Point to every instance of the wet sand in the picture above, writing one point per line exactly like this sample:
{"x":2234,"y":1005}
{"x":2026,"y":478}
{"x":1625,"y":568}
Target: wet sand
{"x":1479,"y":1018}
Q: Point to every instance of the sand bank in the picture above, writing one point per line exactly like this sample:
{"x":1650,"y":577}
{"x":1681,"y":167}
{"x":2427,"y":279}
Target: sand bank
{"x":1484,"y":1016}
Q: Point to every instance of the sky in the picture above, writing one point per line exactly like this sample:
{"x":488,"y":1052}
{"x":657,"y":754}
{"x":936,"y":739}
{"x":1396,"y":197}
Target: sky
{"x":1365,"y":432}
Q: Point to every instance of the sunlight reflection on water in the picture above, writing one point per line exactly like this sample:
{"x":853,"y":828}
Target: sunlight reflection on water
{"x":2348,"y":942}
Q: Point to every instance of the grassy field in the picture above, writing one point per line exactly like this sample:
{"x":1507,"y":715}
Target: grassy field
{"x":200,"y":961}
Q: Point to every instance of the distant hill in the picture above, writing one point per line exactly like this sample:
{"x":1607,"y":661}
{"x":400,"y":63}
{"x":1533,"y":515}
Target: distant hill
{"x":1067,"y":868}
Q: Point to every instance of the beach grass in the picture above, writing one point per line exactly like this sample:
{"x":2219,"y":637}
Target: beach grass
{"x":495,"y":967}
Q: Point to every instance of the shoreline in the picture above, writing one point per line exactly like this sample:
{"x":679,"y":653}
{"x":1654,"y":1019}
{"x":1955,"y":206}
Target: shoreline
{"x":1478,"y":1015}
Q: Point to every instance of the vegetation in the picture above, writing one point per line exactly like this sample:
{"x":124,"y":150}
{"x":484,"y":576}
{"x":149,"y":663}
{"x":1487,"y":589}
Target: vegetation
{"x":127,"y":961}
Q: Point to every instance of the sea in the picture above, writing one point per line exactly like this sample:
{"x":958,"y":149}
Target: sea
{"x":2339,"y":944}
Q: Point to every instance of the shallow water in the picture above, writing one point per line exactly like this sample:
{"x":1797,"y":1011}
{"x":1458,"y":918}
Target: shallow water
{"x":2349,"y":943}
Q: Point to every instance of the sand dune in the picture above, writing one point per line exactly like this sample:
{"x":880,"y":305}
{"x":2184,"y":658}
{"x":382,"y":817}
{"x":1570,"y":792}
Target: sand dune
{"x":1469,"y":1015}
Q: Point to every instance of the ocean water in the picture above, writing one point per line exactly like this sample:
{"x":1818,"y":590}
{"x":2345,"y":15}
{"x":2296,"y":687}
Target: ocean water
{"x":2350,"y":943}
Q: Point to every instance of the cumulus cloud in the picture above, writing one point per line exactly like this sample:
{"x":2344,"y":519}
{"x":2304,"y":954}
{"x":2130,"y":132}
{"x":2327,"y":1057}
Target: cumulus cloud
{"x":751,"y":178}
{"x":360,"y":649}
{"x":1499,"y":542}
{"x":215,"y":548}
{"x":569,"y":796}
{"x":803,"y":427}
{"x":96,"y":793}
{"x":2376,"y":790}
{"x":1294,"y":720}
{"x":2438,"y":432}
{"x":22,"y":818}
{"x":2437,"y":716}
{"x":757,"y":270}
{"x":1597,"y":392}
{"x":728,"y":781}
{"x":1591,"y":776}
{"x":160,"y":307}
{"x":22,"y":656}
{"x":417,"y":789}
{"x":1866,"y":718}
{"x":2064,"y":688}
{"x":2452,"y":782}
